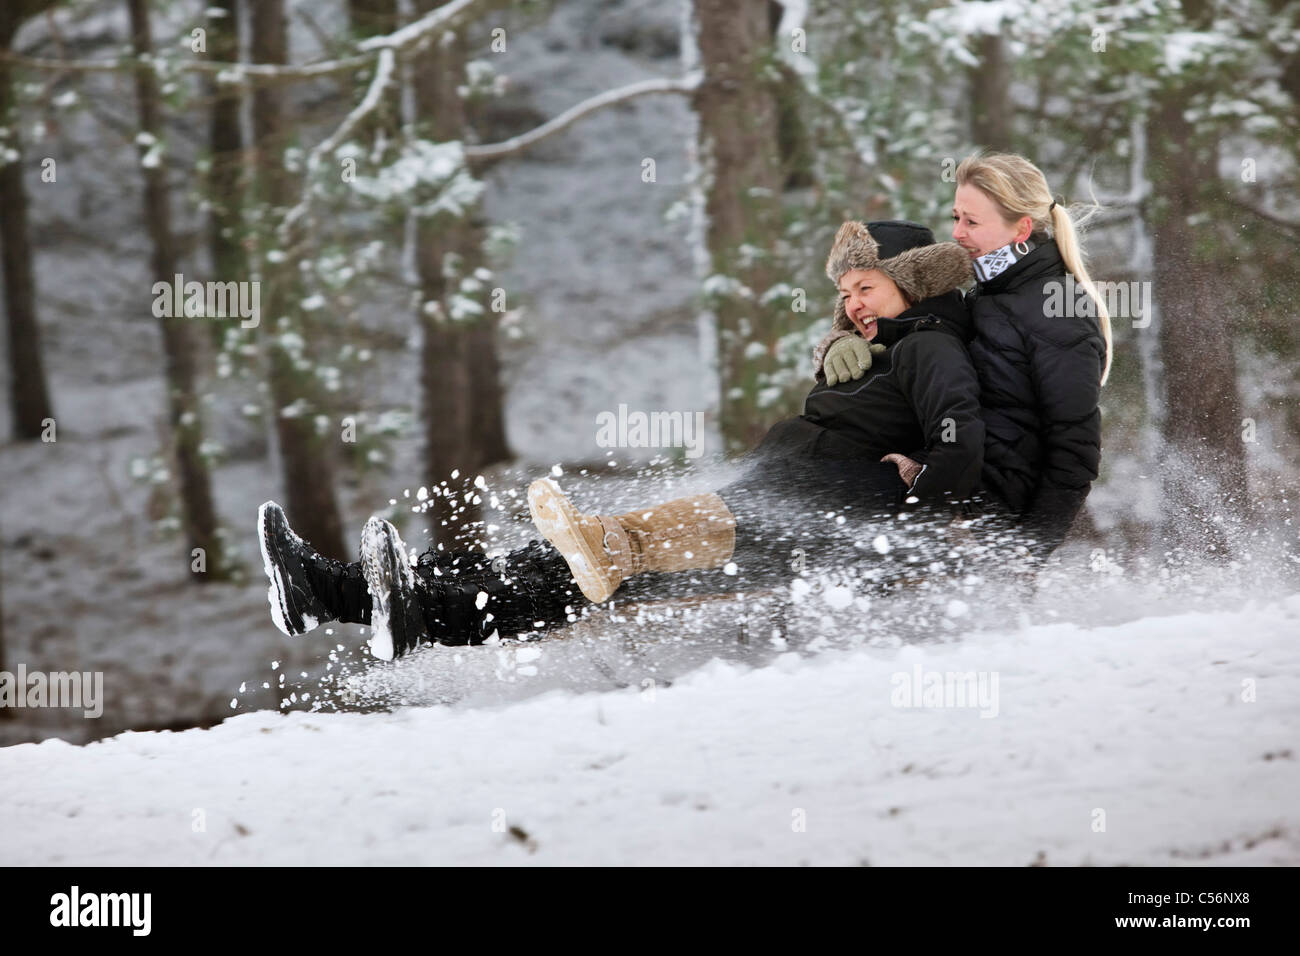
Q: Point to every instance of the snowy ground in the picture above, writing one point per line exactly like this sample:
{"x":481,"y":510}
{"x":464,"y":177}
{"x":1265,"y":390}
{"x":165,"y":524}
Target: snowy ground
{"x":1166,"y":740}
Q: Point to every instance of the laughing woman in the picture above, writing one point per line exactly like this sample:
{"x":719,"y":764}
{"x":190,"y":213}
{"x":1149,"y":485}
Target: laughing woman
{"x":1040,"y":372}
{"x":898,"y":288}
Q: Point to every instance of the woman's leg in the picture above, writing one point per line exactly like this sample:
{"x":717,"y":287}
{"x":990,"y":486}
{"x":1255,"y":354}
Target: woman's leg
{"x":775,"y":515}
{"x":603,"y":551}
{"x":529,"y":589}
{"x":526,"y":591}
{"x":745,"y":535}
{"x":791,"y":514}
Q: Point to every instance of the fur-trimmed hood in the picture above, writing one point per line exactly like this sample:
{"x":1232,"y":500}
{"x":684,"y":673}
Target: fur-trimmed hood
{"x":904,"y":251}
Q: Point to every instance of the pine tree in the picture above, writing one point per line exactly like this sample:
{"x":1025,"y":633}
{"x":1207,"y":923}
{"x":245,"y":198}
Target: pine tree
{"x":29,"y":391}
{"x":199,"y":517}
{"x":306,"y":451}
{"x":226,"y":143}
{"x":462,"y":401}
{"x":738,"y":137}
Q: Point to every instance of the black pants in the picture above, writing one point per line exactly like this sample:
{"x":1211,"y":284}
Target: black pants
{"x":529,"y":589}
{"x":790,"y":513}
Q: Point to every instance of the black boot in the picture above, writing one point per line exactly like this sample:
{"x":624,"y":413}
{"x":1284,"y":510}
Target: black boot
{"x":306,"y":589}
{"x":396,"y":617}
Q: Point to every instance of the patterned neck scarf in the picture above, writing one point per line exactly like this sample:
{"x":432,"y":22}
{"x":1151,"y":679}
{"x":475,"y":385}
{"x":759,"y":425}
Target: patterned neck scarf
{"x":1000,"y":260}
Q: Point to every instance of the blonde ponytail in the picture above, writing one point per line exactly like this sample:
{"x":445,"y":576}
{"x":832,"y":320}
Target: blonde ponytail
{"x":1018,"y":188}
{"x":1067,"y":240}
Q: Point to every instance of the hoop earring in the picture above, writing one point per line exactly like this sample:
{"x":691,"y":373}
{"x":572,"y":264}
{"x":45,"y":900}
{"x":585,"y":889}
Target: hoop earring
{"x":1021,"y":248}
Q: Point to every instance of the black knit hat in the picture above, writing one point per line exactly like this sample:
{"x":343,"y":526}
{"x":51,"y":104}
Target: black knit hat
{"x":898,"y":235}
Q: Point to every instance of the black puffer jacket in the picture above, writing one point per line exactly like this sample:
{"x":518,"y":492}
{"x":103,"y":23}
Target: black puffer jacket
{"x":1040,"y":380}
{"x":921,"y":397}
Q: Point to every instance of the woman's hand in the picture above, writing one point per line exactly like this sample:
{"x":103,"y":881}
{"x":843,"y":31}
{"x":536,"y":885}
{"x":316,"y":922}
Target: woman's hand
{"x":848,"y":359}
{"x":907,"y":469}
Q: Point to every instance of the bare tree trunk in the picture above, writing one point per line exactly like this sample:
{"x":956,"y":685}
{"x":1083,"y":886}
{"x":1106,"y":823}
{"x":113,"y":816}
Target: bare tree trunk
{"x":488,"y":401}
{"x":990,"y":89}
{"x":28,"y":391}
{"x":307,"y":457}
{"x":446,"y":355}
{"x":199,"y":516}
{"x":460,"y":374}
{"x":738,"y":148}
{"x":226,"y":141}
{"x":1205,"y":473}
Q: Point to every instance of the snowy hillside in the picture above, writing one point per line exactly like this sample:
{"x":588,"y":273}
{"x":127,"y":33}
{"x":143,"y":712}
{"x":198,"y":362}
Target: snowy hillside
{"x":1165,"y":740}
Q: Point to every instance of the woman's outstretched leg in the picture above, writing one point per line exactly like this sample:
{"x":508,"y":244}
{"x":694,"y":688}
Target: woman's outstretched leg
{"x":749,"y":534}
{"x":528,"y":590}
{"x":456,"y":597}
{"x":602,"y":551}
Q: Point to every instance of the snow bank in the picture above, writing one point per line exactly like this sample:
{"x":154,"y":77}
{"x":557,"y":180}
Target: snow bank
{"x":1163,"y":740}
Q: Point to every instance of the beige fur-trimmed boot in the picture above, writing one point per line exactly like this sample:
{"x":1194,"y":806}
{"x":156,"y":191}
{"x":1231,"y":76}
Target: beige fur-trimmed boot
{"x":603,"y":551}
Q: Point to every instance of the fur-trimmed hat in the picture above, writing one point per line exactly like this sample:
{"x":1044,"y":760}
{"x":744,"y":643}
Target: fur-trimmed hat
{"x":904,"y":251}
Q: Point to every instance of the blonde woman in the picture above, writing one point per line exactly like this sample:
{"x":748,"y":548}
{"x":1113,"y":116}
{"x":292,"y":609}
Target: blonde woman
{"x":1040,"y":372}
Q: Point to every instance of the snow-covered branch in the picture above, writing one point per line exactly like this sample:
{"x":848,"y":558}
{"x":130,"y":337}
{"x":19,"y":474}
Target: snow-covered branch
{"x":247,"y":74}
{"x":515,"y":144}
{"x":243,"y":74}
{"x":386,"y":48}
{"x":413,"y":32}
{"x":374,"y":94}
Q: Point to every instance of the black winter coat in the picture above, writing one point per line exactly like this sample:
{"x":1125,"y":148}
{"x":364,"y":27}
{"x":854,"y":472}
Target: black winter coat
{"x":1040,"y":378}
{"x":921,"y":398}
